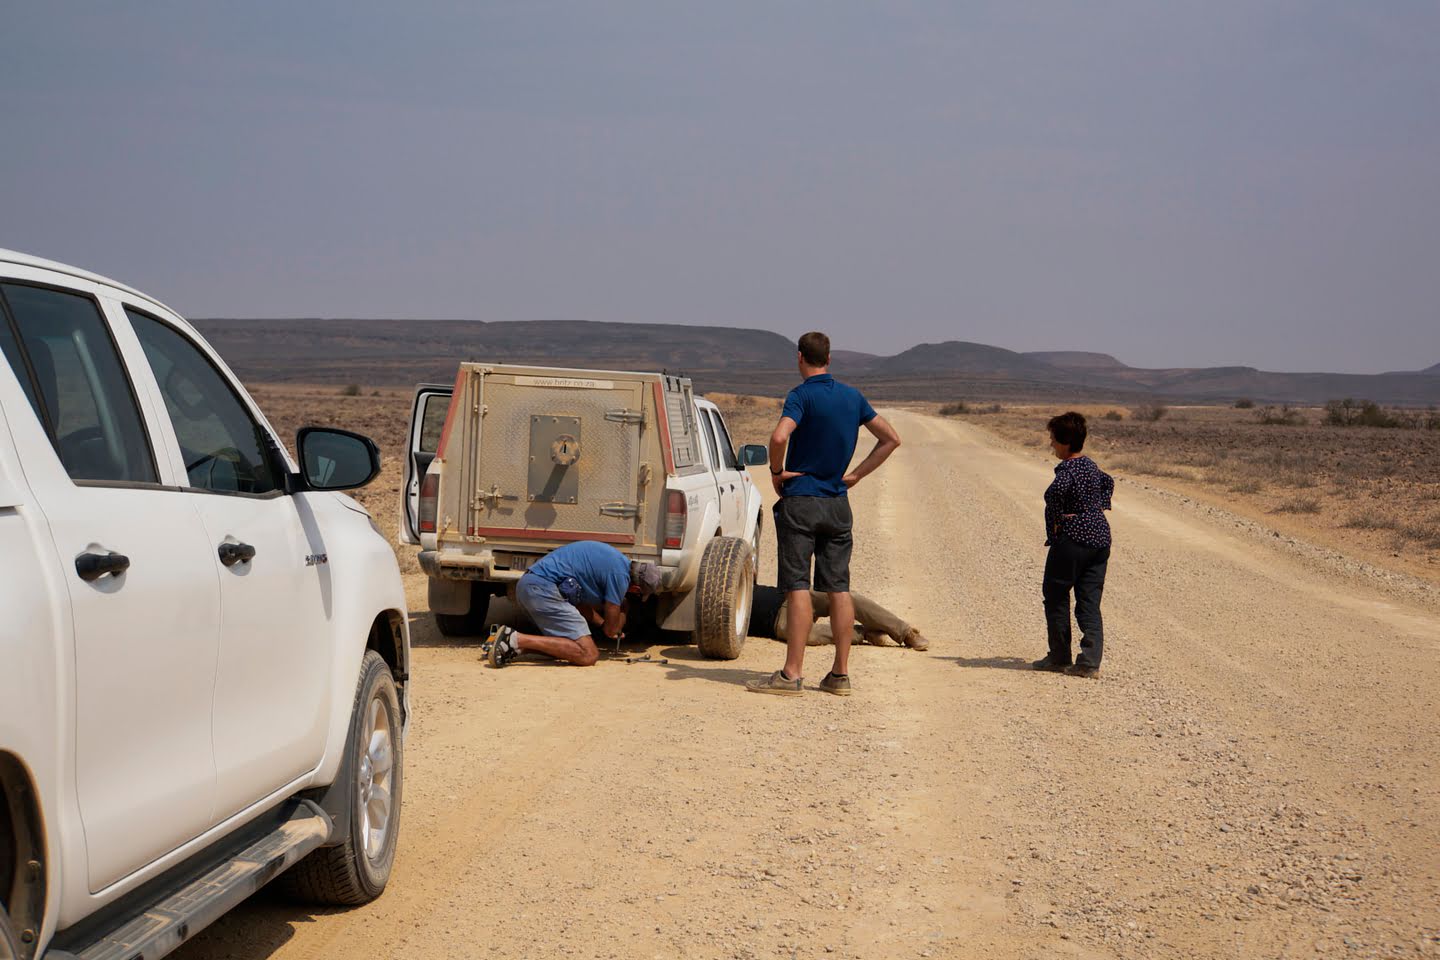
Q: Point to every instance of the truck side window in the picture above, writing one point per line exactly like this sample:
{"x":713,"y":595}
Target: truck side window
{"x":225,"y":449}
{"x":432,"y":424}
{"x":79,"y":390}
{"x":11,"y":348}
{"x":709,"y":432}
{"x":722,"y":437}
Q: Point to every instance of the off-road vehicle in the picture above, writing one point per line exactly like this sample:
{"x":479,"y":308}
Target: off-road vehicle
{"x":203,"y":668}
{"x":514,"y":461}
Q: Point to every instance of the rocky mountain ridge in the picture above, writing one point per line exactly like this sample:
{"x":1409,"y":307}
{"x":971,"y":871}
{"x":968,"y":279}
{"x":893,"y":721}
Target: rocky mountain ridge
{"x":398,"y":352}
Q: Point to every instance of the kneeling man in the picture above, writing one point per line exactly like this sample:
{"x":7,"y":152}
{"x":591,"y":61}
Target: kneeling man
{"x":589,"y":576}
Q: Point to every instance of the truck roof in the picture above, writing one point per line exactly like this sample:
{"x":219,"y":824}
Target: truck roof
{"x":40,"y":263}
{"x":571,"y":373}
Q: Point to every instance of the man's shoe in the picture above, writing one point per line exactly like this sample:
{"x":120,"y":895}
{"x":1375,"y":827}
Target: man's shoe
{"x":1082,"y":670}
{"x":1045,"y":663}
{"x":776,"y":683}
{"x":836,"y":684}
{"x":503,"y":648}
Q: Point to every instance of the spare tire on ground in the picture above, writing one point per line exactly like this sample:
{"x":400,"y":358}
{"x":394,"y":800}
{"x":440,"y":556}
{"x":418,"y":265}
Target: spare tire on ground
{"x":722,"y":598}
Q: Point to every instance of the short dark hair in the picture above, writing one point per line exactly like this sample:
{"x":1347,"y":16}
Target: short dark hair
{"x":1069,"y":429}
{"x":815,"y":348}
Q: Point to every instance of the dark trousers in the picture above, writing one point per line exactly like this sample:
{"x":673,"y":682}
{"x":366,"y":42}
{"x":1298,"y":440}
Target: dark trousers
{"x":1071,"y":565}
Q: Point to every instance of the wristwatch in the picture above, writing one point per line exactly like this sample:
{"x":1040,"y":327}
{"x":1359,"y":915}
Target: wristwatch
{"x":776,"y":473}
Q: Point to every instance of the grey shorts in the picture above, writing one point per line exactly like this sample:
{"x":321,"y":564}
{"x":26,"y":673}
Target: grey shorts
{"x":815,"y":528}
{"x":553,"y":614}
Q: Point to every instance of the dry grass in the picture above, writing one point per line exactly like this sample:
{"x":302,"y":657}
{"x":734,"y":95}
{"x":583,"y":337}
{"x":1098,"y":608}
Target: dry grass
{"x":1370,"y":521}
{"x":749,"y":419}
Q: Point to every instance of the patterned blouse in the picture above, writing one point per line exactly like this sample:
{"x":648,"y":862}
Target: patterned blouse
{"x":1076,"y":502}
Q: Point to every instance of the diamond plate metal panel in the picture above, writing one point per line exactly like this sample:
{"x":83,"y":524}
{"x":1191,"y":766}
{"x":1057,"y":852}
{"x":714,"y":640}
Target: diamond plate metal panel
{"x":606,"y":472}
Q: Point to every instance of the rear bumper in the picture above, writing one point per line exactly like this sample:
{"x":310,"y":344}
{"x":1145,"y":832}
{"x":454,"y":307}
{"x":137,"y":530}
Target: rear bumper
{"x":479,"y":565}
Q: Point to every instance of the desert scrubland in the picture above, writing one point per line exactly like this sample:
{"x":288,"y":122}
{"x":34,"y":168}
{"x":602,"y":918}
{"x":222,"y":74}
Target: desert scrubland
{"x":1253,"y":774}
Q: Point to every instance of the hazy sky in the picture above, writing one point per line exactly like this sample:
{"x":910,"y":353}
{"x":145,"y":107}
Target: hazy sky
{"x":1197,"y":183}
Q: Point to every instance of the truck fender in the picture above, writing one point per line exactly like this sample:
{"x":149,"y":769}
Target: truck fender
{"x":365,"y":590}
{"x":689,"y":573}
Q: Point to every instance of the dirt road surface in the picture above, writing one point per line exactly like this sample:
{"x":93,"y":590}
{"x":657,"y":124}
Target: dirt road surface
{"x":1253,"y":775}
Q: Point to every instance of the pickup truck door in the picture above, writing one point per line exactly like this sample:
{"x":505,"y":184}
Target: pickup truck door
{"x":427,"y":420}
{"x":272,"y":686}
{"x":730,"y":480}
{"x":143,"y":596}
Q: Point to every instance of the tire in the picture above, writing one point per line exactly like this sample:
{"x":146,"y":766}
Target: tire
{"x":470,"y":624}
{"x":357,"y":870}
{"x":9,"y":943}
{"x":722,"y":598}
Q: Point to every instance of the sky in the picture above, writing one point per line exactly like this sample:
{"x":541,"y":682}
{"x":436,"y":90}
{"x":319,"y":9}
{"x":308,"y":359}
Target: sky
{"x":1252,"y":182}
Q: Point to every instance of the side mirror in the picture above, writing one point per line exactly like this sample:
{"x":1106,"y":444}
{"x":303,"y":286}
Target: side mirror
{"x":336,"y":459}
{"x":754,"y":455}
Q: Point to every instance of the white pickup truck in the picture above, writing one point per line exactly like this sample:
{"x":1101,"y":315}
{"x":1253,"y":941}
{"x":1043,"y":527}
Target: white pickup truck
{"x":514,"y":461}
{"x":205,"y":648}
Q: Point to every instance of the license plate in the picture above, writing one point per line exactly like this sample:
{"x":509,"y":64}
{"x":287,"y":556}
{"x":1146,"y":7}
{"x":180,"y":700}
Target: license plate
{"x":522,"y":561}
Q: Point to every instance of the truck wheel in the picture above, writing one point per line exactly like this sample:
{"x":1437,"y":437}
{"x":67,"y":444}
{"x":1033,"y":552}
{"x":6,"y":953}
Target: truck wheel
{"x":722,"y":601}
{"x":356,"y":871}
{"x":9,"y":943}
{"x":470,"y":624}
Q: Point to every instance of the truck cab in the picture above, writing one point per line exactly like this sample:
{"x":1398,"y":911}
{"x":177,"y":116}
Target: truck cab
{"x":206,"y":648}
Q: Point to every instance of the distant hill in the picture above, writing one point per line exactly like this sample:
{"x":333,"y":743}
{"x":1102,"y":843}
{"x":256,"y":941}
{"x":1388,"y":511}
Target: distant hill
{"x":1077,"y":359}
{"x":410,"y":351}
{"x":400,"y":352}
{"x":963,"y":357}
{"x":852,"y":360}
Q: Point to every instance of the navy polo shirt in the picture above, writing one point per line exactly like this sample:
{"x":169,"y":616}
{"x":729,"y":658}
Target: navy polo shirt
{"x":828,"y":416}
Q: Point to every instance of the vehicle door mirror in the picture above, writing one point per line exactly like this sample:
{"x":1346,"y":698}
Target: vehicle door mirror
{"x":336,"y":459}
{"x":754,"y":455}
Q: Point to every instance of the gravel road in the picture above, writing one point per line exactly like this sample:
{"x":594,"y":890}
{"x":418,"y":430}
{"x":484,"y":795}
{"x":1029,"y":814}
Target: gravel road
{"x":1253,"y":775}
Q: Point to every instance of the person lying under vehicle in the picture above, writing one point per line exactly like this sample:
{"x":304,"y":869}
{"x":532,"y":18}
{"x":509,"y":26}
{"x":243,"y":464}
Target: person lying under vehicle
{"x":589,"y":576}
{"x":875,"y":624}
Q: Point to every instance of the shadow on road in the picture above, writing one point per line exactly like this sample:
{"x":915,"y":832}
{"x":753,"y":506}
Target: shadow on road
{"x":256,"y":929}
{"x":685,"y":664}
{"x":993,"y":663}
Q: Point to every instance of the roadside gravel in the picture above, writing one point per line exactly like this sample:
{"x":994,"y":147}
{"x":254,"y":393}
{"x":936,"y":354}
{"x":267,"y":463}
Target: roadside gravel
{"x":1253,"y":774}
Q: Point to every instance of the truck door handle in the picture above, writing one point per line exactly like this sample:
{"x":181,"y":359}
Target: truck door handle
{"x":233,"y":553}
{"x":93,"y":566}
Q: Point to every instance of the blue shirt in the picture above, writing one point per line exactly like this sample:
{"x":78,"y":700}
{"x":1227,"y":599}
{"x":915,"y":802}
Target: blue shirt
{"x":601,"y":572}
{"x":828,"y":415}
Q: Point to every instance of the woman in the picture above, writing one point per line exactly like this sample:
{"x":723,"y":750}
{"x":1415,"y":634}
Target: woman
{"x":1078,"y":536}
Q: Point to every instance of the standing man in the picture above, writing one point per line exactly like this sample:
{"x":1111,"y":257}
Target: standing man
{"x":582,"y":576}
{"x":820,"y":422}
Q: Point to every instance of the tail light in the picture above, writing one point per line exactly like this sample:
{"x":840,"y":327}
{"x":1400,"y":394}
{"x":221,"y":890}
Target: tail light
{"x":675,"y":515}
{"x":429,"y":502}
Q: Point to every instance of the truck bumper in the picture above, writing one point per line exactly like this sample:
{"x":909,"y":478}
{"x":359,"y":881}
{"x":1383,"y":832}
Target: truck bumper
{"x":479,"y":565}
